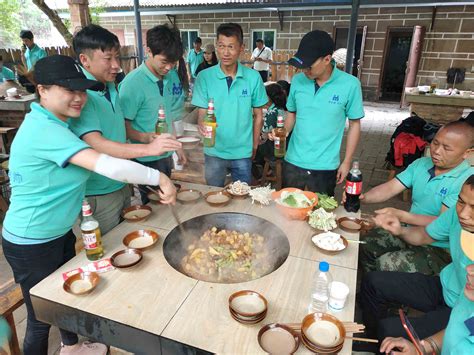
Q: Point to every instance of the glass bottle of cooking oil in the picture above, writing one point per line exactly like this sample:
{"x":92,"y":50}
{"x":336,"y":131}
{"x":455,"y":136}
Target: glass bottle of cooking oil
{"x":210,"y":125}
{"x":91,"y":235}
{"x":280,"y":138}
{"x":161,"y":124}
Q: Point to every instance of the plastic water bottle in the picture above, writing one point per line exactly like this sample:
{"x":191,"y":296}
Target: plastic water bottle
{"x":320,"y":290}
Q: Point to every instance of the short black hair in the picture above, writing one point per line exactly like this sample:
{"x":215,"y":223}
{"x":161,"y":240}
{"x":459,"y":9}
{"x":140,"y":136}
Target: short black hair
{"x":94,"y":37}
{"x":285,"y":85}
{"x":165,"y":40}
{"x":470,"y":181}
{"x":198,"y":40}
{"x":231,"y":29}
{"x":277,"y":95}
{"x":259,"y":40}
{"x":26,"y":34}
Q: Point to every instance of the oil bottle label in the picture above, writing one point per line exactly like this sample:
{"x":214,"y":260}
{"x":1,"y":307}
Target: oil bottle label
{"x":277,"y":143}
{"x":90,"y":240}
{"x":353,"y":188}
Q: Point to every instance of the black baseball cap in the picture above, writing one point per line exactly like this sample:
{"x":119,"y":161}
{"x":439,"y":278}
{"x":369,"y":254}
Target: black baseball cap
{"x":63,"y":71}
{"x":313,"y":45}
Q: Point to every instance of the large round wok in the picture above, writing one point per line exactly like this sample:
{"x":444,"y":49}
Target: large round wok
{"x":276,"y":242}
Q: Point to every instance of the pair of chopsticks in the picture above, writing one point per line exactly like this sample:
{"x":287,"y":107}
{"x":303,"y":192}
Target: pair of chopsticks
{"x":356,"y":241}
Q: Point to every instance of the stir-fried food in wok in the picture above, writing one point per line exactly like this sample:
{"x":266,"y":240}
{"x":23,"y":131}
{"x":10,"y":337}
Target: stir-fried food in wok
{"x":227,"y":256}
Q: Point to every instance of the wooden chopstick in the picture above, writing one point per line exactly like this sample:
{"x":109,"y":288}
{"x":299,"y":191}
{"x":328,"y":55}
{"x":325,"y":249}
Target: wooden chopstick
{"x":363,"y":339}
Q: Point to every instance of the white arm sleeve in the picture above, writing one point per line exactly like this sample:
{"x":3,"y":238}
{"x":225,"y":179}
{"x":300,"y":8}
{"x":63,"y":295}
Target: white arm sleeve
{"x":126,"y":171}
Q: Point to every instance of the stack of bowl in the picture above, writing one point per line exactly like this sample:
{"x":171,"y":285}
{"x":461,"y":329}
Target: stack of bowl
{"x":248,"y":307}
{"x":322,"y":333}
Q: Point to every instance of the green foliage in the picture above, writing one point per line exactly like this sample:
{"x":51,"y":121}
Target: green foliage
{"x":10,"y":23}
{"x":96,"y":7}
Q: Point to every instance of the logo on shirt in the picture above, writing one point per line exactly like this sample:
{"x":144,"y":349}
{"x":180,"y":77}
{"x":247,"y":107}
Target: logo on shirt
{"x":245,"y":93}
{"x":334,"y":100}
{"x":16,"y":177}
{"x":177,"y":89}
{"x":444,"y":191}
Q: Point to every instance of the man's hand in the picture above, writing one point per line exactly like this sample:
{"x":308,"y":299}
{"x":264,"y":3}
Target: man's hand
{"x":402,"y":344}
{"x":148,"y":137}
{"x":393,"y":211}
{"x":163,"y":143}
{"x":343,"y":171}
{"x":344,"y":198}
{"x":168,"y":190}
{"x":21,"y":69}
{"x":389,"y":222}
{"x":182,"y":159}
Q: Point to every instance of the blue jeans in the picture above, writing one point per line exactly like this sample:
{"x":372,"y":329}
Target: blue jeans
{"x":216,"y":170}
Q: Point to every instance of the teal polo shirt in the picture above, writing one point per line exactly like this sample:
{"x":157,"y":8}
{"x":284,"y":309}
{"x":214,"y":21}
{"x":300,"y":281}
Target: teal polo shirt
{"x":140,"y":98}
{"x":321,"y":114}
{"x":33,"y":55}
{"x":47,"y":192}
{"x":178,"y":96}
{"x":194,"y":59}
{"x":102,"y":113}
{"x":233,"y":108}
{"x":430,"y":192}
{"x":6,"y":74}
{"x":459,"y":335}
{"x":446,"y":231}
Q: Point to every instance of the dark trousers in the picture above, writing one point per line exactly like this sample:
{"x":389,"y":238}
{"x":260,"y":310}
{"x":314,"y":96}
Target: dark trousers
{"x":164,"y":165}
{"x":322,"y":181}
{"x":30,"y":265}
{"x":381,"y":290}
{"x":264,"y":75}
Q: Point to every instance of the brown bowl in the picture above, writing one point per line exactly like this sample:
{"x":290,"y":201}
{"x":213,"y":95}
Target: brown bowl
{"x":238,"y":196}
{"x":248,"y":303}
{"x":218,"y":198}
{"x":332,"y":252}
{"x":133,"y":241}
{"x":154,"y":198}
{"x":320,"y":350}
{"x":137,"y":213}
{"x":188,"y":196}
{"x":82,"y":283}
{"x":279,"y":331}
{"x":248,"y":321}
{"x":126,"y":258}
{"x":245,"y":318}
{"x":350,"y":224}
{"x":313,"y":318}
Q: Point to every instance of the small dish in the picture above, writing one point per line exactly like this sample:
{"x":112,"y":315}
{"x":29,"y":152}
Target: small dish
{"x":136,"y":213}
{"x":141,"y":239}
{"x":82,"y":283}
{"x":154,"y":198}
{"x":350,"y":224}
{"x":248,"y":321}
{"x":218,"y":198}
{"x":126,"y":258}
{"x":189,"y":142}
{"x":188,"y":196}
{"x":244,"y":195}
{"x":277,"y":338}
{"x":320,"y":243}
{"x":248,"y":303}
{"x":323,"y":331}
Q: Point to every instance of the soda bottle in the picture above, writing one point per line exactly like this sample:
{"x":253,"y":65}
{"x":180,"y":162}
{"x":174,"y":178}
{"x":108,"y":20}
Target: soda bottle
{"x":320,"y":290}
{"x":353,"y":188}
{"x":280,"y":138}
{"x":91,"y":235}
{"x":161,"y":125}
{"x":209,"y":122}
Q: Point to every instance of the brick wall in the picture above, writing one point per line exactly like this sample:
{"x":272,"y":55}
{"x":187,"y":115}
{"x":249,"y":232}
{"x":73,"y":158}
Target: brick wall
{"x":450,"y":42}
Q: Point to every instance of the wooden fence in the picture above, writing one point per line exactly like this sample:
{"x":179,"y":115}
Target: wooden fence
{"x":280,"y":70}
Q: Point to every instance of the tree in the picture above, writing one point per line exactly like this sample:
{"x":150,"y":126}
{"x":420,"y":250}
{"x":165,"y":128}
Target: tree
{"x":55,"y":19}
{"x":10,"y":23}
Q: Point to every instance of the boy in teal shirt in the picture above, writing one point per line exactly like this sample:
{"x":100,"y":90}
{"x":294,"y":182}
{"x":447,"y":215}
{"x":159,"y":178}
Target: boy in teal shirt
{"x":102,"y":123}
{"x":144,"y":90}
{"x":195,"y":57}
{"x":433,"y":295}
{"x":321,"y":99}
{"x":239,"y":94}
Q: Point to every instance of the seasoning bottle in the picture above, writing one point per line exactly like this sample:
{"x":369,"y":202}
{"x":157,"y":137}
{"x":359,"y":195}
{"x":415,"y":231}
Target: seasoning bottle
{"x":210,"y":125}
{"x":280,"y":138}
{"x":91,"y":235}
{"x":161,"y":124}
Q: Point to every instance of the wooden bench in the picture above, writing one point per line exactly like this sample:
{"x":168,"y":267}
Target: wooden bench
{"x":10,"y":299}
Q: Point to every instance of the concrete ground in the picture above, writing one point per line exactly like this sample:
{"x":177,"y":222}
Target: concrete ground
{"x":377,"y":127}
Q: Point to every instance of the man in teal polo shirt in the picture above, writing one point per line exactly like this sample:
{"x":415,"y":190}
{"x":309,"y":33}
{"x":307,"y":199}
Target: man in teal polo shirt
{"x":321,"y":99}
{"x":31,"y":53}
{"x":151,"y":85}
{"x":239,"y":94}
{"x":102,"y":123}
{"x":432,"y":295}
{"x":5,"y":73}
{"x":435,"y":183}
{"x":195,"y":57}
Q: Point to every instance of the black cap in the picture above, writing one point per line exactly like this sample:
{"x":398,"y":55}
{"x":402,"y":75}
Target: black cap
{"x":63,"y":71}
{"x":313,"y":45}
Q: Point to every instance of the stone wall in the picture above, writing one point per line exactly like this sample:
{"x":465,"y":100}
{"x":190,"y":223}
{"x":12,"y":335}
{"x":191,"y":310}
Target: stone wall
{"x":450,"y":43}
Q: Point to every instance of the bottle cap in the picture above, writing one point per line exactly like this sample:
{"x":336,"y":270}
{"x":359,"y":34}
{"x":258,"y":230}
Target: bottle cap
{"x":323,"y":266}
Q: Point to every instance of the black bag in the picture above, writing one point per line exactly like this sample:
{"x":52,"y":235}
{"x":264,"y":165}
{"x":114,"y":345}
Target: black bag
{"x":414,"y":125}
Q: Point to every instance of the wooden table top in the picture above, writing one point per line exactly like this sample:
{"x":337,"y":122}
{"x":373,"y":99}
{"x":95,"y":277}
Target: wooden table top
{"x":156,"y":298}
{"x":449,"y":100}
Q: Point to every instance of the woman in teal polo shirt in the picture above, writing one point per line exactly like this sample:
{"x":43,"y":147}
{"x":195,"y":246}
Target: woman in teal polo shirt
{"x":49,"y":167}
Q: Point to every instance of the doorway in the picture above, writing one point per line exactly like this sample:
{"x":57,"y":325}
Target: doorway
{"x":397,"y":50}
{"x":341,"y":34}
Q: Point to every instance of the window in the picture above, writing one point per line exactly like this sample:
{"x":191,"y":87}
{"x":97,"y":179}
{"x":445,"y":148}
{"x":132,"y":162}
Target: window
{"x":188,"y":38}
{"x":268,"y":37}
